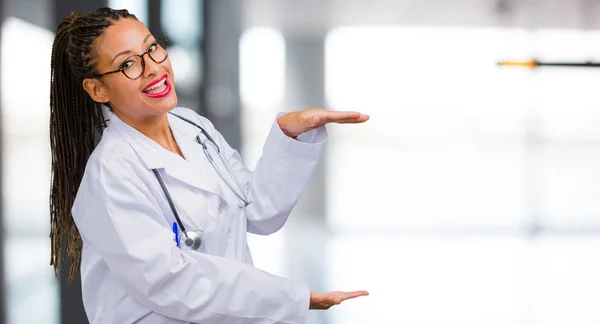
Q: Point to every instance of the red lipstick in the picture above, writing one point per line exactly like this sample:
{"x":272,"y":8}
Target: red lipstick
{"x":158,"y":88}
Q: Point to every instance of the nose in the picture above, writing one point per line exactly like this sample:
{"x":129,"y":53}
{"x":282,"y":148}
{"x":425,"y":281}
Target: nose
{"x":151,"y":68}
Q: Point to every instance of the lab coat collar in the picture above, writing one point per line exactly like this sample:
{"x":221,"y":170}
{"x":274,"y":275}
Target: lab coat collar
{"x":195,"y":170}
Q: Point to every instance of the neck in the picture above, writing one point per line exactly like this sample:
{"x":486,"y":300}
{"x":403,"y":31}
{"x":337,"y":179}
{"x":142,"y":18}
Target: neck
{"x":154,"y":127}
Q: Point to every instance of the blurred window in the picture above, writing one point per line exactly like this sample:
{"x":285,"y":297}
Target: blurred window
{"x":32,"y":292}
{"x":461,"y":164}
{"x":262,"y":87}
{"x":137,"y":7}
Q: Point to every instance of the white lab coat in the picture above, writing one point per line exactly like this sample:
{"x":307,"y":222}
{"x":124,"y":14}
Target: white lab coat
{"x":132,"y":271}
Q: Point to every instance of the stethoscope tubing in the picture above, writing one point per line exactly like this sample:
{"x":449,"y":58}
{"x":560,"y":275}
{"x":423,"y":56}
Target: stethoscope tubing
{"x":244,"y":200}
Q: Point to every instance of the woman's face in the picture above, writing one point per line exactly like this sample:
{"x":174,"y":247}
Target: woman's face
{"x":152,"y":94}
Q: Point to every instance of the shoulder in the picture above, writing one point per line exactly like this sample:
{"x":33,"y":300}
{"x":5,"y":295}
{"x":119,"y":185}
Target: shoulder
{"x":112,"y":162}
{"x":112,"y":157}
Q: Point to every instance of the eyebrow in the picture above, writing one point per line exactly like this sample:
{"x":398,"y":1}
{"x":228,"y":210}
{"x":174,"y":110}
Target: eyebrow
{"x":128,"y":51}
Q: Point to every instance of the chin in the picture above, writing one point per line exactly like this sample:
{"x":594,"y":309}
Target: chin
{"x":170,"y":102}
{"x":164,"y":104}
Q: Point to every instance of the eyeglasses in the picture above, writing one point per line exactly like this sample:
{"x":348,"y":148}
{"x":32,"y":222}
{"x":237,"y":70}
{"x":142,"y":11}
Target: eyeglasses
{"x":133,"y":67}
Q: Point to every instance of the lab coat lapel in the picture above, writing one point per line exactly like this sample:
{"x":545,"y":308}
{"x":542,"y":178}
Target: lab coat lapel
{"x":194,"y":171}
{"x":193,"y":174}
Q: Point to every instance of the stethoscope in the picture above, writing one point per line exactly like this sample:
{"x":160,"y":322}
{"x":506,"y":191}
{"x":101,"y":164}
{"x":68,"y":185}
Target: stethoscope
{"x":193,"y":239}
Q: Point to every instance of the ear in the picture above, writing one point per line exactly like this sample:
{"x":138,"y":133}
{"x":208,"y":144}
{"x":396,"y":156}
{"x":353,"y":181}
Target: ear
{"x":97,"y":90}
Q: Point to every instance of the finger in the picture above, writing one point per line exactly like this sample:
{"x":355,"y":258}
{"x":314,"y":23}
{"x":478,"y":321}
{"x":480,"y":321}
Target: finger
{"x":337,"y":115}
{"x":354,"y":294}
{"x":317,"y":121}
{"x":322,"y":120}
{"x":360,"y":119}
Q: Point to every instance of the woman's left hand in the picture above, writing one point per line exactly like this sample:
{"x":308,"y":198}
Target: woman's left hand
{"x":298,"y":122}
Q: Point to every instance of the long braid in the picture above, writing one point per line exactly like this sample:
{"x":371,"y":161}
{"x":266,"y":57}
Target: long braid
{"x":74,"y":119}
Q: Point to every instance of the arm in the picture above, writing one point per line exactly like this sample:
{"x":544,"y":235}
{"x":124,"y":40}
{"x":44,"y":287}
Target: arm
{"x":280,"y":176}
{"x":121,"y":223}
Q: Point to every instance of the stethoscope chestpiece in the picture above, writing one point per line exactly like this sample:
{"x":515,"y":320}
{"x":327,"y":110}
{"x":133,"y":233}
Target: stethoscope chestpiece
{"x":191,"y":241}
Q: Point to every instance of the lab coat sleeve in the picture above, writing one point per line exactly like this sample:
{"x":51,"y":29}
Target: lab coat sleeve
{"x":281,"y":175}
{"x":122,"y":224}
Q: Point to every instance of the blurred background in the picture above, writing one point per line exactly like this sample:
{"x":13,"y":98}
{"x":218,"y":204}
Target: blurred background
{"x":471,"y":196}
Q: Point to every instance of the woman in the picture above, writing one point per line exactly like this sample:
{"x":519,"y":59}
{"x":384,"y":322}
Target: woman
{"x":156,"y":215}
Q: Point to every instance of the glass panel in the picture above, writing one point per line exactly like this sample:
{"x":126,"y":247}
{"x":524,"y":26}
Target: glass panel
{"x":32,"y":294}
{"x":455,"y":140}
{"x":262,"y":68}
{"x":182,"y":22}
{"x":564,"y":280}
{"x":415,"y":187}
{"x":460,"y":164}
{"x":569,"y":187}
{"x":262,"y":86}
{"x":504,"y":280}
{"x":137,"y":7}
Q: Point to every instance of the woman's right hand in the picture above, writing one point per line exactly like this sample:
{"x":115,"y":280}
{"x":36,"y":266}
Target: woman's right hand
{"x":328,"y":299}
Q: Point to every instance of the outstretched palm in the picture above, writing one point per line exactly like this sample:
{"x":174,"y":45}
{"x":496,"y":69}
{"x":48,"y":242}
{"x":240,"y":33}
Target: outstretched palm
{"x":298,"y":122}
{"x":326,"y":300}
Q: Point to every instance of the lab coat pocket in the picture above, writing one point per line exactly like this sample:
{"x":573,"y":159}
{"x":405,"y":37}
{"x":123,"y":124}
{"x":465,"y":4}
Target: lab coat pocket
{"x":197,"y":208}
{"x":202,"y":218}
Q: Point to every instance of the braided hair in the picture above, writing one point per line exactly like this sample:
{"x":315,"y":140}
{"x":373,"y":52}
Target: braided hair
{"x":74,"y":120}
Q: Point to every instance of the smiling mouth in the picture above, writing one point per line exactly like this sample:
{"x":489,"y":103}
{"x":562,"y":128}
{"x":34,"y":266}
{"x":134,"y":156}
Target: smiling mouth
{"x":158,"y":89}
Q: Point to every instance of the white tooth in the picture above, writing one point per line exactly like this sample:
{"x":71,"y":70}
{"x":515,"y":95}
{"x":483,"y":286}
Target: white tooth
{"x":157,"y":85}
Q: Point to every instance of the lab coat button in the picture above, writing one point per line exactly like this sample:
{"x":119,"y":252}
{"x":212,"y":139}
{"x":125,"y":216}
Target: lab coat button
{"x":241,"y":204}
